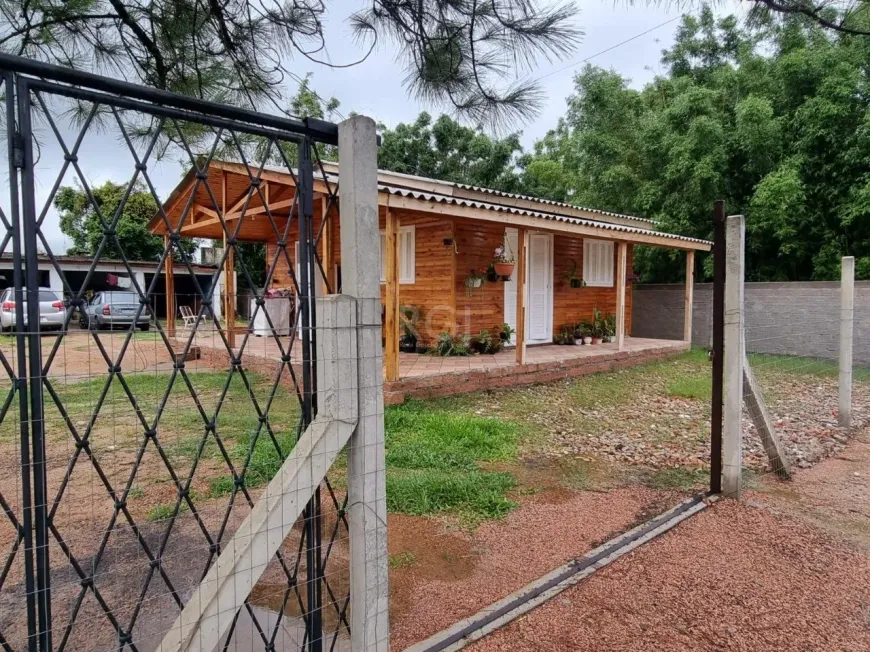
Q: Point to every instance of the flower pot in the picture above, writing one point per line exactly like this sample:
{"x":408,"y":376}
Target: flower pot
{"x":576,"y":282}
{"x":504,"y":269}
{"x":587,"y":340}
{"x":408,"y":345}
{"x":596,"y":340}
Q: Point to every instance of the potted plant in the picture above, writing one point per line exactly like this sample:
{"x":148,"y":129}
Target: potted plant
{"x":473,"y":281}
{"x":578,"y":332}
{"x":409,"y":316}
{"x":565,"y":336}
{"x":506,"y":332}
{"x":450,"y":345}
{"x":610,"y":326}
{"x":482,"y":343}
{"x":503,"y":262}
{"x":491,"y":274}
{"x":598,"y":326}
{"x":574,"y":279}
{"x":586,"y":330}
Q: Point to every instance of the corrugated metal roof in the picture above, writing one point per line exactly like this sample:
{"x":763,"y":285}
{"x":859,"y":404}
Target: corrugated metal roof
{"x":500,"y":193}
{"x":456,"y":201}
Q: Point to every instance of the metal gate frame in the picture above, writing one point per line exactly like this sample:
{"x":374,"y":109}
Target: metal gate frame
{"x":23,"y":80}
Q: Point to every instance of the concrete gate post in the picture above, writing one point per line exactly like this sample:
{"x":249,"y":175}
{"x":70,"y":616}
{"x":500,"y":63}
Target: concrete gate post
{"x":366,"y":478}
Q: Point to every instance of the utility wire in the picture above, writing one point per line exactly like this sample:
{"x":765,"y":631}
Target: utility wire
{"x":612,"y":47}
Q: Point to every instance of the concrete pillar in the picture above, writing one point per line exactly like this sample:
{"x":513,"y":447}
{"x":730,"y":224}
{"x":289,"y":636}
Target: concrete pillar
{"x":847,"y":316}
{"x":366,"y":478}
{"x":139,"y":277}
{"x":732,"y":443}
{"x":55,"y":282}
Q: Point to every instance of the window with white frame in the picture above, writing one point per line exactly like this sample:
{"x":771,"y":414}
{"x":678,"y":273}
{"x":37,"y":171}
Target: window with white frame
{"x":598,"y":263}
{"x":407,"y":255}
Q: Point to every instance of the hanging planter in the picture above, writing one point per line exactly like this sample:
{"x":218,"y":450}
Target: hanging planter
{"x":574,"y":279}
{"x":473,"y":281}
{"x":503,"y":260}
{"x":504,"y":269}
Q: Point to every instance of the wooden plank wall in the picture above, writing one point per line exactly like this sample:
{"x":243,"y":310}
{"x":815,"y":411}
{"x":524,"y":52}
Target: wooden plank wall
{"x":432,"y":291}
{"x":485,"y":308}
{"x":439,"y":291}
{"x":574,"y":304}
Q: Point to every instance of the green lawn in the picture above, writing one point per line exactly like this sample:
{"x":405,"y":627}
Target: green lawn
{"x":456,"y":456}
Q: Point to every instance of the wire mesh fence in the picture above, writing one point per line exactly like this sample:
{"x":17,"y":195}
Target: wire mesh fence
{"x":141,"y":419}
{"x":795,"y":396}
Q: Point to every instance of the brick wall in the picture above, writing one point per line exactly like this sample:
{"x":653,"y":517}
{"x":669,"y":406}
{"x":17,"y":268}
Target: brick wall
{"x":800,"y":318}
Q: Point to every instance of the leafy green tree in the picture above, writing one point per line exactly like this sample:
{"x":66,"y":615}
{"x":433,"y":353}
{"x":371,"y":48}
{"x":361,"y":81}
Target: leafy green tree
{"x":771,"y":116}
{"x":80,"y":221}
{"x":445,"y":149}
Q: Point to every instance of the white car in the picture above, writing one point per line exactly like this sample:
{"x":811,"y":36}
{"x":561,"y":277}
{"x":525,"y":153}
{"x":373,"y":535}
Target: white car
{"x":52,"y":310}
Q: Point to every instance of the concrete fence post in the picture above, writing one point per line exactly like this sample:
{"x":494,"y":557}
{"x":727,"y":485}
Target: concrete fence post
{"x":732,"y":444}
{"x":847,"y":316}
{"x":366,"y":477}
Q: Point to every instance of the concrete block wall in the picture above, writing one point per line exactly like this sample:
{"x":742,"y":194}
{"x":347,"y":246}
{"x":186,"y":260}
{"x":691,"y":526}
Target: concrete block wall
{"x":800,"y":318}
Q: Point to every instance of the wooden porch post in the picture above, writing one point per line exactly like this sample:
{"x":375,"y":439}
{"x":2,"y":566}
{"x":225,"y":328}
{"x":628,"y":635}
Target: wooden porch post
{"x":690,"y":291}
{"x":230,"y":294}
{"x":170,"y":289}
{"x":391,"y":327}
{"x":621,"y":262}
{"x":522,"y":242}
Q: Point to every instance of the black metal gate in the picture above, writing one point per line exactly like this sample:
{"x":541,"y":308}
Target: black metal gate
{"x":129,"y":456}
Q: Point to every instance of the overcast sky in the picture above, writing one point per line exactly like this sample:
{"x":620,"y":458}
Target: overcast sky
{"x":375,"y":88}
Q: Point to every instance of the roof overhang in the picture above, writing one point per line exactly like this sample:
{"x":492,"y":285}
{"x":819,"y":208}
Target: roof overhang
{"x":431,"y":196}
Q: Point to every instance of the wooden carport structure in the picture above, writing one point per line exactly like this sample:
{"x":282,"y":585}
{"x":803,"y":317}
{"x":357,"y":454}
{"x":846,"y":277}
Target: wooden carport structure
{"x":456,"y":227}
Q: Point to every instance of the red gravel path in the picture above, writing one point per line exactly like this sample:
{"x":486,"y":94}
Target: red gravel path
{"x":734,"y":577}
{"x":546,"y":531}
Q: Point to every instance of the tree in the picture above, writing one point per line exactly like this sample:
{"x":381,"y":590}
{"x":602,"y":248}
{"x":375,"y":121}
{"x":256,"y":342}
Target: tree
{"x":772,"y":117}
{"x":458,"y":53}
{"x":444,"y":149}
{"x":81,"y":222}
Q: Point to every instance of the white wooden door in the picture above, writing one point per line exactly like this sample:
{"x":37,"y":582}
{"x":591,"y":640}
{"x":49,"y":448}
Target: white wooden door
{"x":539,"y":313}
{"x":510,"y":287}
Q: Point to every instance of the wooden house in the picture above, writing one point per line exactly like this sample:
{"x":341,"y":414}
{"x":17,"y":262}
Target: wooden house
{"x":435,"y":235}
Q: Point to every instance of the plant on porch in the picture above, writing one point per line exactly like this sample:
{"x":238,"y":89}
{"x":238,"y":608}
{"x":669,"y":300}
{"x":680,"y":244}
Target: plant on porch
{"x":565,"y":336}
{"x":410,"y":316}
{"x":452,"y":345}
{"x":489,"y":341}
